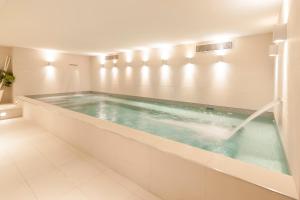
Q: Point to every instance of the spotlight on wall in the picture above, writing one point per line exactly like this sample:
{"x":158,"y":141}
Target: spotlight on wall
{"x":164,"y":62}
{"x":3,"y":114}
{"x":280,"y":33}
{"x":220,"y":49}
{"x":102,"y":70}
{"x":273,"y":50}
{"x":165,"y":53}
{"x":113,"y":57}
{"x":50,"y":71}
{"x":145,"y":55}
{"x":190,"y":54}
{"x":102,"y":59}
{"x":50,"y":55}
{"x":129,"y":56}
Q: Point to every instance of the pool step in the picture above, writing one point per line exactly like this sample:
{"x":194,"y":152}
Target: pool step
{"x":9,"y":111}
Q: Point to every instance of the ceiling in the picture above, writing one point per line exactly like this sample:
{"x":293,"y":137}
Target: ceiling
{"x":99,"y":26}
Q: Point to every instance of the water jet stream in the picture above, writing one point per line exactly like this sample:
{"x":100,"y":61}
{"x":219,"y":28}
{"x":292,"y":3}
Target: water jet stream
{"x":256,"y":114}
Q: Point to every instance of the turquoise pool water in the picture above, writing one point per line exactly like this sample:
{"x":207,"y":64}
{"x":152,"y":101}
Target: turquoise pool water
{"x":257,"y":143}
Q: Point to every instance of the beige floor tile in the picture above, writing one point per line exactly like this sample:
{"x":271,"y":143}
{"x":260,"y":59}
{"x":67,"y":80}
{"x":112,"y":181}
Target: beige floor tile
{"x":51,"y":185}
{"x":134,"y":188}
{"x":36,"y":165}
{"x":9,"y":176}
{"x":102,"y":187}
{"x":17,"y":191}
{"x":33,"y":164}
{"x":79,"y":170}
{"x":73,"y":195}
{"x":57,"y":153}
{"x":100,"y":166}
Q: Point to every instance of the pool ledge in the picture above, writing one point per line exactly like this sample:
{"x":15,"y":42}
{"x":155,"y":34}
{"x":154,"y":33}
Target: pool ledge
{"x":270,"y":180}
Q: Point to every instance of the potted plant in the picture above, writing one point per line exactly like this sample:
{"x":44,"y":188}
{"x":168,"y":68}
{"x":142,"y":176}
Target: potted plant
{"x":6,"y":78}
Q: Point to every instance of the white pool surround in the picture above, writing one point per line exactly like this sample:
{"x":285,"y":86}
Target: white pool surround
{"x":8,"y":111}
{"x":166,"y":168}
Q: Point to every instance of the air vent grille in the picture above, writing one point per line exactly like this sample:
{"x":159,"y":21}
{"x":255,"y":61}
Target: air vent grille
{"x":214,"y":47}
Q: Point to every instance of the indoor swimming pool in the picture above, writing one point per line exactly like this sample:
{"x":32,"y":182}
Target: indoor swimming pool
{"x":195,"y":125}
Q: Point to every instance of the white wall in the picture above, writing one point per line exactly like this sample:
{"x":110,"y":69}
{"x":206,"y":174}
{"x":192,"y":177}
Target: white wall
{"x":288,"y":83}
{"x":33,"y":76}
{"x":244,"y":79}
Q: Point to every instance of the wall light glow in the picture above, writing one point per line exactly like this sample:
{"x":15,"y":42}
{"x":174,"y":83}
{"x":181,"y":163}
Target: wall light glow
{"x":165,"y":74}
{"x":129,"y":56}
{"x":128,"y":72}
{"x":115,"y":61}
{"x":102,"y":71}
{"x":50,"y":72}
{"x":145,"y":75}
{"x":50,"y":55}
{"x":3,"y":114}
{"x":102,"y":59}
{"x":190,"y":50}
{"x":190,"y":54}
{"x":188,"y":74}
{"x":115,"y":72}
{"x":165,"y":53}
{"x":145,"y":55}
{"x":220,"y":71}
{"x":76,"y":78}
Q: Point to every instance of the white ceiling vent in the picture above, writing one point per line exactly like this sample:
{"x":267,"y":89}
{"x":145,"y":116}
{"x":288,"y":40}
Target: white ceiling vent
{"x":214,"y":47}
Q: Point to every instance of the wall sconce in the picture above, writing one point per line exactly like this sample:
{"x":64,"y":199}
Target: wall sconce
{"x":145,"y":56}
{"x":164,"y":62}
{"x":165,"y":53}
{"x":280,"y":33}
{"x":189,"y":60}
{"x":50,"y":56}
{"x":190,"y":54}
{"x":102,"y":59}
{"x":273,"y":50}
{"x":113,"y":57}
{"x":3,"y":114}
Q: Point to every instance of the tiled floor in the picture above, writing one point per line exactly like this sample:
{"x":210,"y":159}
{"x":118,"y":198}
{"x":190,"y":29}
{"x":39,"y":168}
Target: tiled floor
{"x":35,"y":165}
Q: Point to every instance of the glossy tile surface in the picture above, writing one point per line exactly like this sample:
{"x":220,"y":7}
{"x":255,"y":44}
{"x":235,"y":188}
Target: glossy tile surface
{"x":35,"y":165}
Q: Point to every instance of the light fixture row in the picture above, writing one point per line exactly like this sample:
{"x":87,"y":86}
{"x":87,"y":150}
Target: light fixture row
{"x":219,"y":49}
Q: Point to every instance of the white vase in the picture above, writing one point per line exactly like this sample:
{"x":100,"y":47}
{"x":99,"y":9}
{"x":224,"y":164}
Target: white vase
{"x":1,"y":94}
